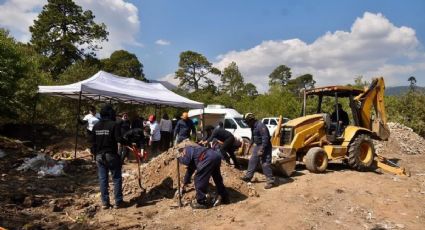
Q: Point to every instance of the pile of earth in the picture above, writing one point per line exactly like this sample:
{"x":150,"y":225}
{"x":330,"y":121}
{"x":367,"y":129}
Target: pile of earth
{"x":402,"y":140}
{"x":159,"y":178}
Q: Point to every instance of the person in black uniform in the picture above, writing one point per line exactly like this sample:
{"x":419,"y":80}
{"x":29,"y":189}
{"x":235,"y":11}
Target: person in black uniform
{"x":262,"y":150}
{"x":124,"y":125}
{"x":227,"y":141}
{"x":206,"y":162}
{"x":105,"y":144}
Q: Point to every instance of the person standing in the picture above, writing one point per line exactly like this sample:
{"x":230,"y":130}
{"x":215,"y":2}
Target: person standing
{"x":106,"y":135}
{"x":90,"y":119}
{"x":155,"y":136}
{"x":184,"y":128}
{"x":166,"y":128}
{"x":262,"y":150}
{"x":206,"y":162}
{"x":124,"y":125}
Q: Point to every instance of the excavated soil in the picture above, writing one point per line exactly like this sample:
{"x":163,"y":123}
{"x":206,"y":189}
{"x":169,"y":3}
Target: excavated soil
{"x":338,"y":199}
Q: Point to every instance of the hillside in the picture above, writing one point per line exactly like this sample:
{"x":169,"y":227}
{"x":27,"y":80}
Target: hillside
{"x":399,"y":90}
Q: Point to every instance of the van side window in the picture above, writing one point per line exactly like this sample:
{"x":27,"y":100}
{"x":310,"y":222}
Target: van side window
{"x":266,"y":121}
{"x":273,"y":122}
{"x":229,"y":124}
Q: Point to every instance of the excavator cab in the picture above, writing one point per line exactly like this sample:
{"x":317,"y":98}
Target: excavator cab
{"x":337,"y":120}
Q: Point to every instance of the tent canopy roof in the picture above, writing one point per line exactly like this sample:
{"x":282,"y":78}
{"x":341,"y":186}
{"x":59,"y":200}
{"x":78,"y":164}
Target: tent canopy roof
{"x":104,"y":86}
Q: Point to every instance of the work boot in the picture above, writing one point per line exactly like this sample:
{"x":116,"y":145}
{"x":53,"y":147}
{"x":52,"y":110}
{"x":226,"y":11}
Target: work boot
{"x":246,"y":179}
{"x":119,"y":205}
{"x":269,"y":185}
{"x":106,"y":206}
{"x":196,"y":205}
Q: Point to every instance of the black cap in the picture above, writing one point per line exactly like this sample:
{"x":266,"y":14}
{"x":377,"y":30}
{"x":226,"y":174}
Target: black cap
{"x":107,"y":112}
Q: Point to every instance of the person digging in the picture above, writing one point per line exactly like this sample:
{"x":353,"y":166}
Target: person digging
{"x":206,"y":162}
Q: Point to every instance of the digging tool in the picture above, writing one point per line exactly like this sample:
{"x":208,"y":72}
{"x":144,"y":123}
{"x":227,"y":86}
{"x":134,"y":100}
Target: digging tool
{"x":179,"y":192}
{"x":139,"y":154}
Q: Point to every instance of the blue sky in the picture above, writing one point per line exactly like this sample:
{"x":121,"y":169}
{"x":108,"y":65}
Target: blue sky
{"x":333,"y":40}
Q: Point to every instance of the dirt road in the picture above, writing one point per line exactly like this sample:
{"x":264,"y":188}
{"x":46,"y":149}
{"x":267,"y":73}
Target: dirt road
{"x":338,"y":199}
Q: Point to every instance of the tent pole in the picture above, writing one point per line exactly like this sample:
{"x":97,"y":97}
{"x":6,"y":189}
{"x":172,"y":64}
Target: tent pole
{"x":203,"y":122}
{"x":34,"y":130}
{"x":76,"y":126}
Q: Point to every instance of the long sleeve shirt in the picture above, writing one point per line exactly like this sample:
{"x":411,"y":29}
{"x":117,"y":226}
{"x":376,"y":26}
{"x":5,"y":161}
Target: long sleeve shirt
{"x":220,"y":134}
{"x":260,"y":134}
{"x":165,"y":126}
{"x":155,"y":131}
{"x":194,"y":159}
{"x":183,"y":129}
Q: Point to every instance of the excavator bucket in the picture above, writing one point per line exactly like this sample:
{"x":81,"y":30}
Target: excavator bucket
{"x":389,"y":166}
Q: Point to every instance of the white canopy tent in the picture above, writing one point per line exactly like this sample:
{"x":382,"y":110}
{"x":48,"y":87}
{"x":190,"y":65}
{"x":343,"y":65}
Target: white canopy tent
{"x":104,"y":86}
{"x":107,"y":87}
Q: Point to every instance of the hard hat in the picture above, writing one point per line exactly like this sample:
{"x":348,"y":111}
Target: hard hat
{"x":249,"y":117}
{"x":185,"y":115}
{"x":152,"y":118}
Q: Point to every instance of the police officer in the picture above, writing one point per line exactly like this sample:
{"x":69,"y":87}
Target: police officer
{"x":105,"y":144}
{"x":227,"y":141}
{"x":206,"y":162}
{"x":262,"y":150}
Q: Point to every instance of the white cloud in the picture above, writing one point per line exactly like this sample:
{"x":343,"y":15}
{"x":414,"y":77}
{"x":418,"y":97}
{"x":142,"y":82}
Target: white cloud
{"x":373,"y":47}
{"x":170,"y":78}
{"x":162,"y":42}
{"x":120,"y":17}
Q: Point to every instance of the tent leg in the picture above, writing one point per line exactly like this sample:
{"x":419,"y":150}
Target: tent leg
{"x":203,"y":122}
{"x":34,"y":130}
{"x":77,"y":125}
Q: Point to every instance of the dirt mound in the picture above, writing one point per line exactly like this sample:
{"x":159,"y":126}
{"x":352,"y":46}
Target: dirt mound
{"x":402,"y":140}
{"x":159,"y":178}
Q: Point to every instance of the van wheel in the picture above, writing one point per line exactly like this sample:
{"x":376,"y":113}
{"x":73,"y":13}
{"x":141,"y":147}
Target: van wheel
{"x":361,"y":153}
{"x":316,"y":160}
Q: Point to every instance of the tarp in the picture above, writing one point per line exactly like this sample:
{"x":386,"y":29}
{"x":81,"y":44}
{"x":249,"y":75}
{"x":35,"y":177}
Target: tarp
{"x":104,"y":86}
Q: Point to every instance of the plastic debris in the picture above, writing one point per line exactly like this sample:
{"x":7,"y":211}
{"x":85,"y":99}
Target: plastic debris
{"x":43,"y":165}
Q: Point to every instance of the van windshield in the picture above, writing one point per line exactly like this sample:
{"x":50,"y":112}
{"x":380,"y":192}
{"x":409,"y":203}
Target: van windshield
{"x":241,"y":123}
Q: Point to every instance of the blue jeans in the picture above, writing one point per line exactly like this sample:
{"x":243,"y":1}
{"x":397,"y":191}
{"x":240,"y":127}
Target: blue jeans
{"x":265,"y":161}
{"x":105,"y":163}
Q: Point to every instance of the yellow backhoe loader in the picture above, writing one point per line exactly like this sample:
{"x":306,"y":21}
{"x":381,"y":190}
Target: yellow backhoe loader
{"x":321,"y":137}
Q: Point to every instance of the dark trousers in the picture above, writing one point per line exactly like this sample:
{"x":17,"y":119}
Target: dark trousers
{"x":210,"y":168}
{"x":105,"y":163}
{"x":123,"y":151}
{"x":227,"y":149}
{"x":265,"y":161}
{"x":165,"y":140}
{"x":155,"y":147}
{"x":90,"y":140}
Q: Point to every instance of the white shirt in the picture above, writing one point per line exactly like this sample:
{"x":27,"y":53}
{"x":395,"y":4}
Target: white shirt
{"x":155,"y":131}
{"x":91,"y":120}
{"x":165,"y":126}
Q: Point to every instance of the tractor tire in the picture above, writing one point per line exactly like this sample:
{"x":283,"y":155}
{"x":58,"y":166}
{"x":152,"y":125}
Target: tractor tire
{"x":316,"y":160}
{"x":361,"y":153}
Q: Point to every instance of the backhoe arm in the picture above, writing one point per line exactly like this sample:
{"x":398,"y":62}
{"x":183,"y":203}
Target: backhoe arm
{"x":374,"y":96}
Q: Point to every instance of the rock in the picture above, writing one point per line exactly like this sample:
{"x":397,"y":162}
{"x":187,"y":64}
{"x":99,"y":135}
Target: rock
{"x":31,"y":201}
{"x":91,"y":211}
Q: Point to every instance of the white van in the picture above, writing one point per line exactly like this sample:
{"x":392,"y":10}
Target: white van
{"x":232,"y":119}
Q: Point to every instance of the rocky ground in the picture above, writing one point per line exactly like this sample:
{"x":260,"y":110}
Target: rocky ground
{"x":338,"y":199}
